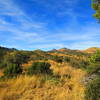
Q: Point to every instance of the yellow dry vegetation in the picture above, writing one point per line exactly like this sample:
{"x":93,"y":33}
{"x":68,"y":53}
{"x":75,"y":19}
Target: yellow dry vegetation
{"x":1,"y":72}
{"x":38,"y":87}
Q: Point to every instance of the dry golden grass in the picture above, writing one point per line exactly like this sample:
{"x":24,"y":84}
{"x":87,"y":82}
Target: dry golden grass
{"x":1,"y":72}
{"x":40,"y":88}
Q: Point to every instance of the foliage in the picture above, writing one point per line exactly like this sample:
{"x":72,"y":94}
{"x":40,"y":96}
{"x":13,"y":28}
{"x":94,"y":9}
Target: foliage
{"x":40,"y":68}
{"x":12,"y":70}
{"x":3,"y":52}
{"x":66,"y":59}
{"x":78,"y":63}
{"x":96,"y":7}
{"x":16,"y":57}
{"x":93,"y":90}
{"x":95,"y":58}
{"x":94,"y":67}
{"x":58,"y":59}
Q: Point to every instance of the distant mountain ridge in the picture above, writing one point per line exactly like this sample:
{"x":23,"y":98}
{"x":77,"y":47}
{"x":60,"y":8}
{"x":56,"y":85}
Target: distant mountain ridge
{"x":6,"y":49}
{"x":62,"y":50}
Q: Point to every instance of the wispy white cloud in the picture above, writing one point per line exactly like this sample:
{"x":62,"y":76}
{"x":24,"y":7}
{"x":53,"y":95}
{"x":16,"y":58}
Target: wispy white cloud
{"x":7,"y":7}
{"x":23,"y":26}
{"x":32,"y":33}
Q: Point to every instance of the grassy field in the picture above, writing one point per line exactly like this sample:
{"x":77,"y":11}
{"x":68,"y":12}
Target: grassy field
{"x":44,"y":87}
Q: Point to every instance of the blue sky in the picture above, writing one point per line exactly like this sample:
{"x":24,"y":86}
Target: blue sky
{"x":48,"y":24}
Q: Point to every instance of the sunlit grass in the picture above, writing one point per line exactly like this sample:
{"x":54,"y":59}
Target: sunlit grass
{"x":40,"y":87}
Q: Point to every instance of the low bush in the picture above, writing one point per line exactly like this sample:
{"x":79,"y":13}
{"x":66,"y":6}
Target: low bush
{"x":94,"y":69}
{"x":94,"y":66}
{"x":12,"y":70}
{"x":66,"y":59}
{"x":58,"y":59}
{"x":93,"y":90}
{"x":40,"y":68}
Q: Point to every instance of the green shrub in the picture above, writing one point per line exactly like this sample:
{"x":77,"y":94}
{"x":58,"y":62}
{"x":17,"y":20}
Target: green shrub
{"x":94,"y":69}
{"x":94,"y":66}
{"x":93,"y":90}
{"x":95,"y":58}
{"x":12,"y":70}
{"x":58,"y":59}
{"x":16,"y":57}
{"x":40,"y":68}
{"x":83,"y":64}
{"x":66,"y":59}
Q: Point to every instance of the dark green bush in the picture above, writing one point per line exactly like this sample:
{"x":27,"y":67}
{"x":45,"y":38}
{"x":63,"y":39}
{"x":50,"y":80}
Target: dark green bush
{"x":93,"y":90}
{"x":40,"y":68}
{"x":12,"y":70}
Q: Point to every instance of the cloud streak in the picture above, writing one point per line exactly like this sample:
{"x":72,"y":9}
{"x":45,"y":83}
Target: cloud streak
{"x":20,"y":30}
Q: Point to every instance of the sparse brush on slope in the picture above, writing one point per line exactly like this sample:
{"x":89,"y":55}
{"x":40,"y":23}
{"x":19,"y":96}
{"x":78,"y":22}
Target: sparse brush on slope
{"x":92,"y":91}
{"x":51,"y":76}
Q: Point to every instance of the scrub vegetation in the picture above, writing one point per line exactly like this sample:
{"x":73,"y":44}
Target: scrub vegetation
{"x":62,"y":74}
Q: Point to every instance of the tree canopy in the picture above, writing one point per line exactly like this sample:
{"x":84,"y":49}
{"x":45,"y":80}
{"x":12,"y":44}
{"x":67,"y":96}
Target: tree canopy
{"x":96,"y":7}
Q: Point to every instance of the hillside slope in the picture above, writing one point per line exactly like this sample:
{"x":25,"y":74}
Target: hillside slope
{"x":34,"y":82}
{"x":44,"y":87}
{"x":91,"y":50}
